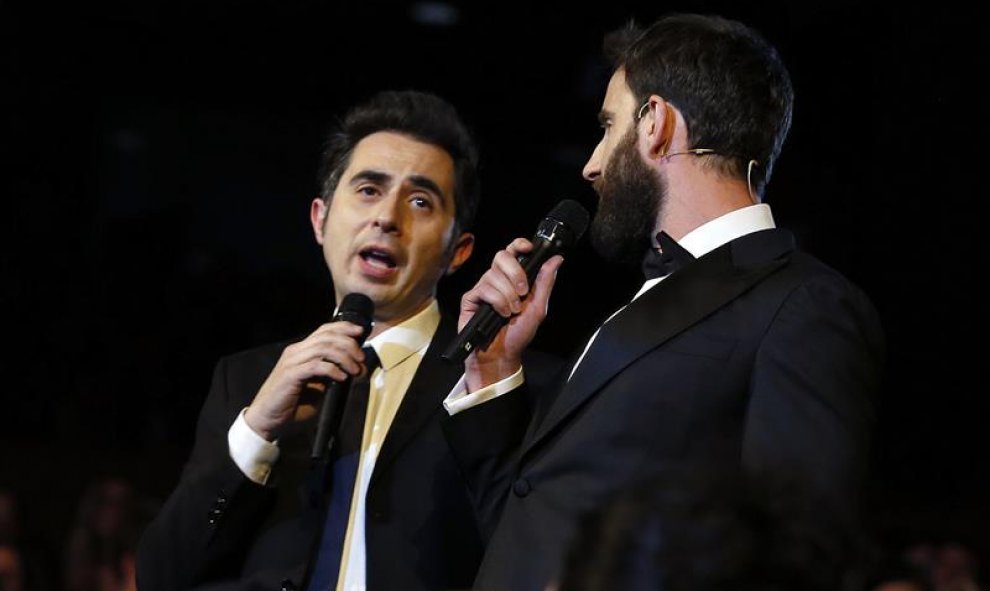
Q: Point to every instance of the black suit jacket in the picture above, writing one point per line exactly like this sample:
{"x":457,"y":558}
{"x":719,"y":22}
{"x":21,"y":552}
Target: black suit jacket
{"x":219,"y":530}
{"x":753,"y":356}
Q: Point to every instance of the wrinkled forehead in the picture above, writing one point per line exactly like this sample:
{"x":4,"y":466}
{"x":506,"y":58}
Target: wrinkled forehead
{"x":396,"y":158}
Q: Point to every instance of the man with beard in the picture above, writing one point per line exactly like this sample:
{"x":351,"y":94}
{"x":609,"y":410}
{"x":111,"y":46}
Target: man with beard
{"x":739,"y":351}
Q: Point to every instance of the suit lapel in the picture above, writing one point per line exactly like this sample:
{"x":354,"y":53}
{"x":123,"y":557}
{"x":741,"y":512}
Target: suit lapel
{"x":423,"y":399}
{"x":670,"y":307}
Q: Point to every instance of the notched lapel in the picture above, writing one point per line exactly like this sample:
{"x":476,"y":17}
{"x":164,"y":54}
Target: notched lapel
{"x":433,"y":380}
{"x":667,"y":309}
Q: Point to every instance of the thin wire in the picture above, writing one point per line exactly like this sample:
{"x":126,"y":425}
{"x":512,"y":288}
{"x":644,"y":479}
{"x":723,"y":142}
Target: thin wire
{"x":710,"y":152}
{"x":749,"y":179}
{"x":707,"y":152}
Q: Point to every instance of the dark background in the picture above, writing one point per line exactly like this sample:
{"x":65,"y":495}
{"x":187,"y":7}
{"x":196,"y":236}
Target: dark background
{"x":159,"y":158}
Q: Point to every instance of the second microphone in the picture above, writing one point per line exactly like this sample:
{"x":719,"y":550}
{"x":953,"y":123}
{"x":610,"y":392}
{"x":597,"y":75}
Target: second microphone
{"x":559,"y":230}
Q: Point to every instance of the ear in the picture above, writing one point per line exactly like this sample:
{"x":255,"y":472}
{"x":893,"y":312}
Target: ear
{"x":463,"y":247}
{"x":661,"y":124}
{"x":317,"y":217}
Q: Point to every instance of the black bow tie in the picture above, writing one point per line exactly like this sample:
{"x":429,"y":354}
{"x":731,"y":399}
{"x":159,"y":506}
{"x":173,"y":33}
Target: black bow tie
{"x":665,"y":260}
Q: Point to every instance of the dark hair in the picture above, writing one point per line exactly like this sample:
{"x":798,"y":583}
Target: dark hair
{"x":697,"y":529}
{"x":729,"y":83}
{"x":421,"y":115}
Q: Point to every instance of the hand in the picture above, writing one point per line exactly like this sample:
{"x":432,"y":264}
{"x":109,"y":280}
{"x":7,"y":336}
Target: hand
{"x":505,"y":289}
{"x":292,"y":392}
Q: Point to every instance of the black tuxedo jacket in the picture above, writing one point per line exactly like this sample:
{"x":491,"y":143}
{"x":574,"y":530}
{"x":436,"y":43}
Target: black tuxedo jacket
{"x":219,"y":530}
{"x":754,"y":356}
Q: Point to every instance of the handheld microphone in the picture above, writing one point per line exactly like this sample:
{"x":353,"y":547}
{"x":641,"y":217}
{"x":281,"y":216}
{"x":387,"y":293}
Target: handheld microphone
{"x":559,"y":230}
{"x":355,"y":308}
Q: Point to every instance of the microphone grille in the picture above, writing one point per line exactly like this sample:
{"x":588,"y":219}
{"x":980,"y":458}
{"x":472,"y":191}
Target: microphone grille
{"x":573,"y":215}
{"x":357,"y":308}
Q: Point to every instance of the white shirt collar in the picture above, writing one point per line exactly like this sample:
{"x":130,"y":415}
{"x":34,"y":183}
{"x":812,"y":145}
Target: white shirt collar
{"x":721,"y":230}
{"x":413,"y":334}
{"x":726,"y":228}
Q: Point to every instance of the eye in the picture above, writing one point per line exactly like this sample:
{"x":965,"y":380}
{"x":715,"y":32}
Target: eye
{"x":421,"y":202}
{"x":368,"y":190}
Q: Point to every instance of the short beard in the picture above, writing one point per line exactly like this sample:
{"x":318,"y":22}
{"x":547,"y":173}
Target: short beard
{"x":629,"y":203}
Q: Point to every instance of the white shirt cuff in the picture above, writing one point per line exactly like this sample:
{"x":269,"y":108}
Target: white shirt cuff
{"x":460,"y":399}
{"x":252,"y":453}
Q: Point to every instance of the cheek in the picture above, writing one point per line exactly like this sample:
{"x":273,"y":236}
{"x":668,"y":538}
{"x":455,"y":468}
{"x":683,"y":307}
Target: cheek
{"x":616,"y":144}
{"x":335,"y":243}
{"x":605,"y":155}
{"x":432,"y":253}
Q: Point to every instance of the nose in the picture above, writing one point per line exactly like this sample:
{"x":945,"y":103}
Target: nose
{"x":592,"y":168}
{"x":388,"y":213}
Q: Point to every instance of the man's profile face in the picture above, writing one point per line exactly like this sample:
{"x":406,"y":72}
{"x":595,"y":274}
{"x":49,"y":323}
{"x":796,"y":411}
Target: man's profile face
{"x":388,"y":231}
{"x":630,"y":192}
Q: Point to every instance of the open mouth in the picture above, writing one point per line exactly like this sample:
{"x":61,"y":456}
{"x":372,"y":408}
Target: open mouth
{"x":378,"y":258}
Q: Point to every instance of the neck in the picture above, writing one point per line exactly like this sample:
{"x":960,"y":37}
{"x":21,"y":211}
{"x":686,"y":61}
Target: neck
{"x":385,"y":321}
{"x":696,"y":197}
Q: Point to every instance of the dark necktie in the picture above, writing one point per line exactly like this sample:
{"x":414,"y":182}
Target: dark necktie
{"x":345,"y":455}
{"x":665,"y":260}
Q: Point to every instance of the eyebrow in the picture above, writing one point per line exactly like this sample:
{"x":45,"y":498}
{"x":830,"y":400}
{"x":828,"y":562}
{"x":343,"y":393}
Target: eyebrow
{"x":374,"y":176}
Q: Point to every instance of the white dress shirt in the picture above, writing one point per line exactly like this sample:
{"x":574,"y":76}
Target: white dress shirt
{"x":401,"y":349}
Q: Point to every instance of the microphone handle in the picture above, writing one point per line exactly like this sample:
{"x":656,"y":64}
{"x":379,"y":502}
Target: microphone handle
{"x":334,"y":395}
{"x":356,"y":308}
{"x":486,"y":322}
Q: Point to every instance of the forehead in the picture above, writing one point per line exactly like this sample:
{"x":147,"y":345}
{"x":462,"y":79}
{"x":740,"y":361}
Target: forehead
{"x":619,"y":99}
{"x":400,"y":157}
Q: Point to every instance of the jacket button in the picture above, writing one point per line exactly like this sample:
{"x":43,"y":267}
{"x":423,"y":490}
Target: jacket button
{"x":521,"y":487}
{"x":216,"y":512}
{"x":287,"y":585}
{"x":214,"y":516}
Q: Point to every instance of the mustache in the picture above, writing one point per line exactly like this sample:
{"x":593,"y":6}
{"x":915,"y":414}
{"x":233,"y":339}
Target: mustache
{"x":598,"y":185}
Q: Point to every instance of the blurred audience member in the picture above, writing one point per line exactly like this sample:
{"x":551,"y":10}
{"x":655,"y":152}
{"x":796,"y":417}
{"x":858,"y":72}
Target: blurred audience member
{"x":100,"y":536}
{"x":899,"y":575}
{"x":11,"y":568}
{"x":954,"y":568}
{"x":711,"y":532}
{"x":22,"y":564}
{"x":9,"y":521}
{"x":118,"y":574}
{"x":928,"y":566}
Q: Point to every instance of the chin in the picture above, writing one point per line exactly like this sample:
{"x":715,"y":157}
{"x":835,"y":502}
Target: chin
{"x":376,"y":294}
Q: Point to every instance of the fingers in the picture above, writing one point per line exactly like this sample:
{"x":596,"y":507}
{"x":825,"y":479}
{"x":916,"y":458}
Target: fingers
{"x":324,"y":368}
{"x":332,"y":350}
{"x":507,"y":267}
{"x":504,"y":285}
{"x":544,"y":282}
{"x":505,"y":288}
{"x":519,"y":246}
